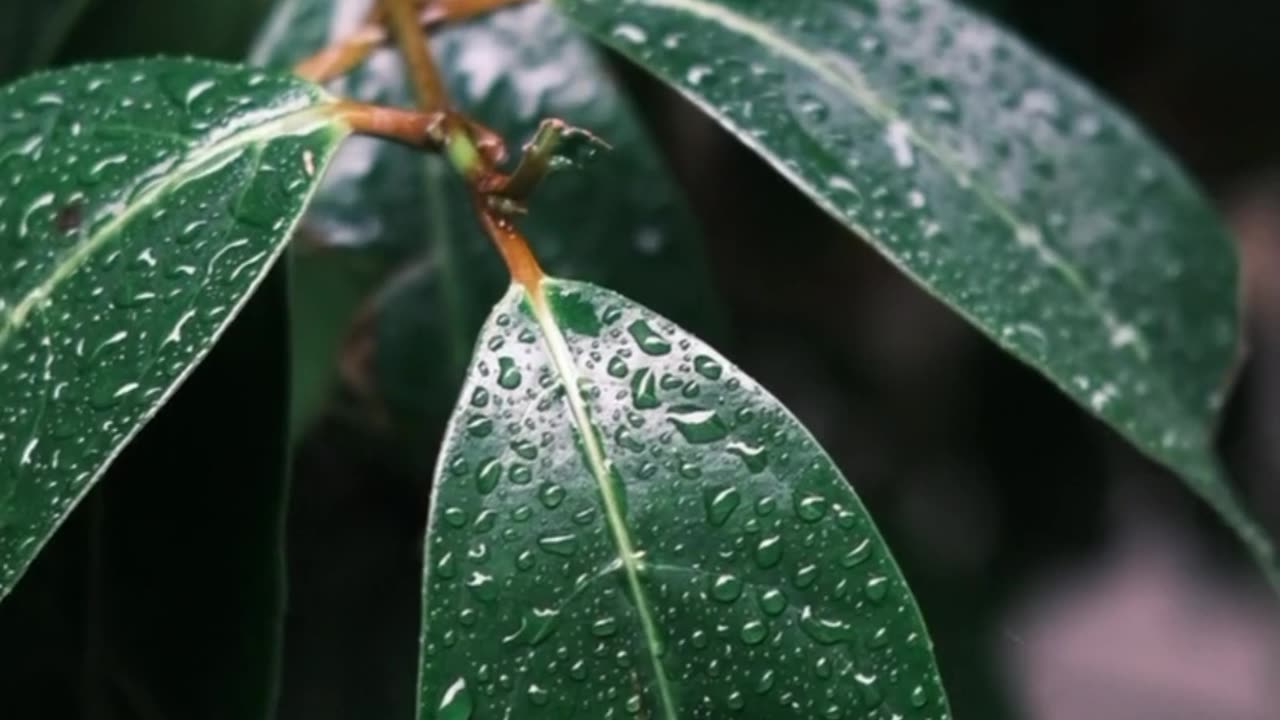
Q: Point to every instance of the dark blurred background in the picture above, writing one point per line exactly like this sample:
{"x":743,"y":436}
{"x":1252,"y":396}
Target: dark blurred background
{"x":1063,"y":576}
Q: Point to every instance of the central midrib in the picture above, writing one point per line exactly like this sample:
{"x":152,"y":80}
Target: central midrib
{"x":597,"y":462}
{"x":292,"y":122}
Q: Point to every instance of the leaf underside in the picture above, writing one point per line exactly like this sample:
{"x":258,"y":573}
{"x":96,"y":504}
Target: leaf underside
{"x":669,"y":543}
{"x":1000,"y":183}
{"x":140,"y":203}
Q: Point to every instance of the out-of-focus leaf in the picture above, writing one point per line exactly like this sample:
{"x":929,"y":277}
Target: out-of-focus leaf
{"x":113,"y":29}
{"x":410,"y":215}
{"x":31,"y":32}
{"x":997,"y":181}
{"x":626,"y":525}
{"x":141,"y":203}
{"x":163,"y":596}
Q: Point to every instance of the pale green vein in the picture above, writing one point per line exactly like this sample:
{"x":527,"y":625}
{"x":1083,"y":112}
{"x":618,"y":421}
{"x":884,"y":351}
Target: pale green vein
{"x":846,"y":77}
{"x":597,"y":461}
{"x":198,"y":162}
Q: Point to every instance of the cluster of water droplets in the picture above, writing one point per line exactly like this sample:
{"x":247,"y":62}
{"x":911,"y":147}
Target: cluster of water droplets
{"x":770,"y":592}
{"x":1002,"y":183}
{"x":133,"y":221}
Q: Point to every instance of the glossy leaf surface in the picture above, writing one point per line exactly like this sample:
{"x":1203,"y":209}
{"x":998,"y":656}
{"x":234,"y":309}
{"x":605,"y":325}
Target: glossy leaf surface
{"x":386,"y":206}
{"x":141,"y":203}
{"x":625,"y":525}
{"x":996,"y":180}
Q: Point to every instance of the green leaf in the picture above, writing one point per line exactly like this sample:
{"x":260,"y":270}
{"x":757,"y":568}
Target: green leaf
{"x":411,"y":216}
{"x":175,"y":555}
{"x":625,"y":525}
{"x":31,"y":32}
{"x":141,"y":203}
{"x":997,"y":181}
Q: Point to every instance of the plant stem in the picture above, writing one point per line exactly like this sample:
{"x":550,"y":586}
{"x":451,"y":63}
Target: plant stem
{"x":339,"y":58}
{"x":512,"y":245}
{"x":418,"y":129}
{"x":466,"y":157}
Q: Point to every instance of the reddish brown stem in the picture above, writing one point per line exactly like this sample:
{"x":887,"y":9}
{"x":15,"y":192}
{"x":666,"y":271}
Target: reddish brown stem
{"x":512,"y":245}
{"x":338,"y":59}
{"x":419,"y":129}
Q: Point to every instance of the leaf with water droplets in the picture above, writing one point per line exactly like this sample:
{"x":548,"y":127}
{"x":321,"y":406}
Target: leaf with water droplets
{"x":661,"y":557}
{"x":424,"y":273}
{"x":141,"y":203}
{"x":997,"y":181}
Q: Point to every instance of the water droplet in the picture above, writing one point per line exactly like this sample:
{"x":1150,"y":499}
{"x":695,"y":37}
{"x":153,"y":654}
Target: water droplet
{"x":698,"y":425}
{"x":708,"y":367}
{"x":633,"y":34}
{"x":525,"y":449}
{"x":806,"y":576}
{"x":447,"y":567}
{"x":754,"y":632}
{"x":858,"y":555}
{"x":487,"y":476}
{"x":605,"y":626}
{"x":648,"y":339}
{"x":538,"y":695}
{"x":456,"y":703}
{"x":824,"y":632}
{"x":508,"y":374}
{"x":628,"y":441}
{"x":483,"y":587}
{"x":772,"y":601}
{"x":877,"y":589}
{"x":726,"y":588}
{"x":551,"y":495}
{"x":479,"y":426}
{"x":480,"y":397}
{"x":520,"y":474}
{"x":564,"y":545}
{"x":455,"y":516}
{"x":769,"y":551}
{"x":756,"y":458}
{"x":698,"y":74}
{"x":644,"y":391}
{"x":765,"y":683}
{"x":809,"y":508}
{"x":720,"y":504}
{"x":919,"y":697}
{"x":618,"y":367}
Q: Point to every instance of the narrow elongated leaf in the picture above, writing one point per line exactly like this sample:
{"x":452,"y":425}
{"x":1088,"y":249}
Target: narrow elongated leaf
{"x":625,"y":525}
{"x":996,"y":180}
{"x":383,"y":205}
{"x":141,"y":204}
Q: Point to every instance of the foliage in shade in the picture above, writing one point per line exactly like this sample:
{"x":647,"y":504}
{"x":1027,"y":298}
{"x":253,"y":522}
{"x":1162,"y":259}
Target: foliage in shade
{"x":997,"y":181}
{"x":174,"y":560}
{"x":31,"y":32}
{"x":625,"y":525}
{"x":141,"y":203}
{"x":421,"y":265}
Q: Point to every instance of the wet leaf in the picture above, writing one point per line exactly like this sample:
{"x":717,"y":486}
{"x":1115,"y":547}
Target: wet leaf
{"x":625,"y":525}
{"x":1000,"y":183}
{"x":410,"y":215}
{"x":140,"y":204}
